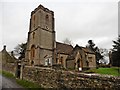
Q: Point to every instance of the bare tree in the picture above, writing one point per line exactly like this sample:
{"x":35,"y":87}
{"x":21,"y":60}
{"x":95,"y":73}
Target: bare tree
{"x":68,"y":41}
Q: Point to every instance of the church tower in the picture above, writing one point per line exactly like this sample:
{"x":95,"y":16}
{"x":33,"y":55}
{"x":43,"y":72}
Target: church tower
{"x":41,"y":37}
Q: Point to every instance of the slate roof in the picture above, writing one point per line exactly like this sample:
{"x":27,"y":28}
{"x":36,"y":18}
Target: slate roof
{"x":6,"y":57}
{"x":80,"y":49}
{"x":74,"y":52}
{"x":63,"y":48}
{"x":87,"y":50}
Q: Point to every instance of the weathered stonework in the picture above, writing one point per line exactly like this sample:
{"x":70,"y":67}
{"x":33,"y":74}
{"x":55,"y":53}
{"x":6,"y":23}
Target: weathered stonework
{"x":10,"y":67}
{"x":50,"y":78}
{"x":43,"y":49}
{"x":41,"y":37}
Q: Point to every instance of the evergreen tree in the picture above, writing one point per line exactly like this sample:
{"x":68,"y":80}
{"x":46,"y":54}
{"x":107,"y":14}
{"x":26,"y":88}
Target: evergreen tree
{"x":20,"y":50}
{"x":95,"y":49}
{"x":68,"y":41}
{"x":116,"y":52}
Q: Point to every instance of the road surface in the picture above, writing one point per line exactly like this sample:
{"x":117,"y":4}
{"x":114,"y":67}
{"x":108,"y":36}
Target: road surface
{"x":8,"y":83}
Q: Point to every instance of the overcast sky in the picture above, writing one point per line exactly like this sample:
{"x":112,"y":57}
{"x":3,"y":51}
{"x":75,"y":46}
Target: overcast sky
{"x":78,"y":20}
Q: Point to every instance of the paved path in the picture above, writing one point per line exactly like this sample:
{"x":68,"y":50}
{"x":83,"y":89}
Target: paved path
{"x":8,"y":83}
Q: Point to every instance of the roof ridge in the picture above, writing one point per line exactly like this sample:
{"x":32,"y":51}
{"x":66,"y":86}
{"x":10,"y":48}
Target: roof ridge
{"x":64,"y":43}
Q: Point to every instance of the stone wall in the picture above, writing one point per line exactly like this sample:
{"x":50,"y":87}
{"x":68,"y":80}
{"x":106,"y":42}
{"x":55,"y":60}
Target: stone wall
{"x":10,"y":67}
{"x":51,"y":78}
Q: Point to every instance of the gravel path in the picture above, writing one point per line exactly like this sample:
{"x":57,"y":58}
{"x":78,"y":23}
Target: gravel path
{"x":8,"y":83}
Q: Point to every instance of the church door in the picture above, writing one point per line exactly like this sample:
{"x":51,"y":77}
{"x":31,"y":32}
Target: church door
{"x":79,"y":65}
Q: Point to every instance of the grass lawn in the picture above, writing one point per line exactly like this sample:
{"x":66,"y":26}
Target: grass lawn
{"x":108,"y":71}
{"x":28,"y":84}
{"x":7,"y":74}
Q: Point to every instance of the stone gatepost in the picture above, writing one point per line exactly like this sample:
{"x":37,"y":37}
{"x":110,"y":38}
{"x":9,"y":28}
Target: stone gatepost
{"x":21,"y":69}
{"x":16,"y":68}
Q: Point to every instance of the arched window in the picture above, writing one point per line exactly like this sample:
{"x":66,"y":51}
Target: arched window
{"x":78,"y":63}
{"x":47,"y":19}
{"x":33,"y":35}
{"x":33,"y":51}
{"x":61,"y":60}
{"x":33,"y":20}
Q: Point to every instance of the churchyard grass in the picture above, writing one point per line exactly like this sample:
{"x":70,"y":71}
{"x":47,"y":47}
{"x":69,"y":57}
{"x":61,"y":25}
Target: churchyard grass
{"x":108,"y":71}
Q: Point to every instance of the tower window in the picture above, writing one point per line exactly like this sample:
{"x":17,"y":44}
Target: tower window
{"x":33,"y":35}
{"x":33,"y":20}
{"x":47,"y":19}
{"x":33,"y":51}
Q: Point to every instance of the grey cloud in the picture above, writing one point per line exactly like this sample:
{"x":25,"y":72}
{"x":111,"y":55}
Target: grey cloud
{"x":77,"y":21}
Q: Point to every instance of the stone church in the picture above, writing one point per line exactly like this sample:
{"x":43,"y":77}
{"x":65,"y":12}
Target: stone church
{"x":41,"y":37}
{"x":42,"y":48}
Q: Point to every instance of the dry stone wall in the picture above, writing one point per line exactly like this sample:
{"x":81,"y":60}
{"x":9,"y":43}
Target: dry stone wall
{"x":51,"y":78}
{"x":10,"y":67}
